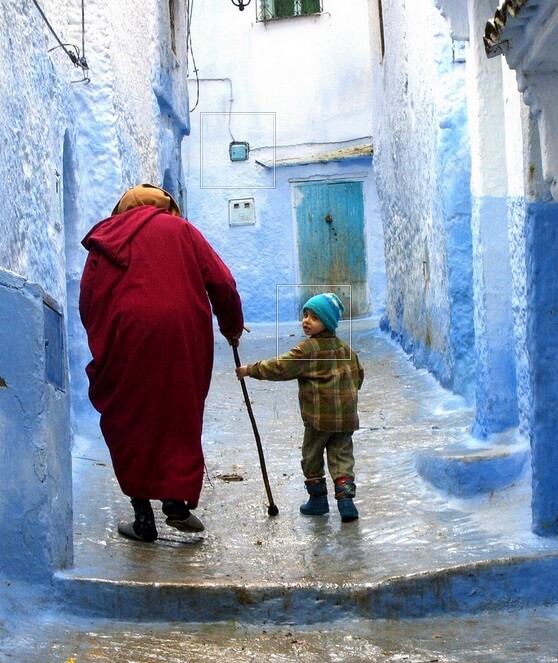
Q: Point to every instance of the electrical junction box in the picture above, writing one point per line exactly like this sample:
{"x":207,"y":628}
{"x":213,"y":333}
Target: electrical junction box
{"x":242,"y":212}
{"x":459,"y":50}
{"x":239,"y":150}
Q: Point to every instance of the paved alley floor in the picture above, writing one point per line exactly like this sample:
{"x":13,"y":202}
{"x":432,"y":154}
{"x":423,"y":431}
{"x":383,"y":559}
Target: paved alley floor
{"x":526,"y":636}
{"x":405,"y":525}
{"x":406,"y":530}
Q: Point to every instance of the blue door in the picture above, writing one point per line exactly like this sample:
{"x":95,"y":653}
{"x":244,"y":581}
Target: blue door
{"x":331,"y":249}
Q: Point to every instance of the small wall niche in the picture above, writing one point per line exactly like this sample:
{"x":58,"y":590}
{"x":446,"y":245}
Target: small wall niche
{"x":54,"y":346}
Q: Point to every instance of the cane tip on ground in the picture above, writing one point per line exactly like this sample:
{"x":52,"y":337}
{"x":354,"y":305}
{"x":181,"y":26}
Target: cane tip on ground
{"x":272,"y":510}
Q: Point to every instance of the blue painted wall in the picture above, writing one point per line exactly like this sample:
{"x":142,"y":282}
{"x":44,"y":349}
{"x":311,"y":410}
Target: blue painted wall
{"x":454,"y":164}
{"x":263,"y":257}
{"x":517,"y":213}
{"x":35,"y":462}
{"x":542,"y":337}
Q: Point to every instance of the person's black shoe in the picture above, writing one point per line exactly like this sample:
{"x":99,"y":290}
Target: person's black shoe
{"x":143,"y":528}
{"x":179,"y":516}
{"x":129,"y":530}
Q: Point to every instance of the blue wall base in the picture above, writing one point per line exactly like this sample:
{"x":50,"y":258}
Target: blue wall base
{"x":36,"y":468}
{"x":542,"y":341}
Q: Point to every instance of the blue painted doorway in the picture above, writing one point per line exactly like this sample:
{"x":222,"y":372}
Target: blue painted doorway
{"x":331,"y":247}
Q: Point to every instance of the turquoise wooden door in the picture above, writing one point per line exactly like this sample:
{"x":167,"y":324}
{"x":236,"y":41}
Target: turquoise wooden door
{"x":331,"y":250}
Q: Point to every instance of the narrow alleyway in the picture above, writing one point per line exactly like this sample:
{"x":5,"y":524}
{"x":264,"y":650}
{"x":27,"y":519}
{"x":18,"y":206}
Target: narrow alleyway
{"x":294,"y":588}
{"x":405,"y":526}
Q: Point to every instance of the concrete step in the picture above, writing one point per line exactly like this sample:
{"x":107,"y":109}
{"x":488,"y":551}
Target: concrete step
{"x":490,"y":585}
{"x":521,"y":636}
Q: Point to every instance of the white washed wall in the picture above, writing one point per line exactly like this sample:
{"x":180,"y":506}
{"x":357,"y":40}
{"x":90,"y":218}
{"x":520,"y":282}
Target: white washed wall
{"x":298,"y":84}
{"x":423,"y":170}
{"x":34,"y":109}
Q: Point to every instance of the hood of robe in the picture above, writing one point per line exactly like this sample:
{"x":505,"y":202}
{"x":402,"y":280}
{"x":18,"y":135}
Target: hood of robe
{"x":112,"y":236}
{"x":137,"y":207}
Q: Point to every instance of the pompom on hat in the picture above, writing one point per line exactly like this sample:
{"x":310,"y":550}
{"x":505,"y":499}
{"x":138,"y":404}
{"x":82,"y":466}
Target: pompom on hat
{"x":146,"y":194}
{"x":327,"y":307}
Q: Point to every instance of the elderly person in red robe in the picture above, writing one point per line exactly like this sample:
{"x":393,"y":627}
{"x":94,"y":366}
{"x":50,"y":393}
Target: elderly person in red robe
{"x":148,"y":289}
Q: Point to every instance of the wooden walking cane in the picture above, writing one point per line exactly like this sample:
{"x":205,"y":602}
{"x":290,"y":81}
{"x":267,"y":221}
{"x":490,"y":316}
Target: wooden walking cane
{"x":272,"y":509}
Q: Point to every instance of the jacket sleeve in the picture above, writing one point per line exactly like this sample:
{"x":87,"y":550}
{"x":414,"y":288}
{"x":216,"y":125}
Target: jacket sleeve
{"x":288,"y":366}
{"x":219,"y":284}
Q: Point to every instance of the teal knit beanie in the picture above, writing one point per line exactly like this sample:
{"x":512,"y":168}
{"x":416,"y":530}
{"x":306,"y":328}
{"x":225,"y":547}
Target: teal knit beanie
{"x":327,"y":307}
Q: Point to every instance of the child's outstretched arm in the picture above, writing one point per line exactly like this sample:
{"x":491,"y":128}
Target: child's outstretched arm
{"x":242,"y":372}
{"x":278,"y":368}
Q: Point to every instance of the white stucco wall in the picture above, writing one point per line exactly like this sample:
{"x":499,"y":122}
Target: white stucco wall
{"x":287,"y":87}
{"x":312,"y":71}
{"x":31,"y":231}
{"x":486,"y":109}
{"x":422,"y":161}
{"x":122,"y":130}
{"x":115,"y":132}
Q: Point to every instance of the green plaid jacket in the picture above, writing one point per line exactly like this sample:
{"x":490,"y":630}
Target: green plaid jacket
{"x":329,"y":376}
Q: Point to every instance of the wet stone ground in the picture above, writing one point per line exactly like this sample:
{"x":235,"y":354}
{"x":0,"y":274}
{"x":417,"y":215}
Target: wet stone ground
{"x":405,"y":527}
{"x":528,"y":636}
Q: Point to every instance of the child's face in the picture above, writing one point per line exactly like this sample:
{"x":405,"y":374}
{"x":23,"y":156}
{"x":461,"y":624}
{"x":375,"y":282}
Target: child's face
{"x":311,"y":324}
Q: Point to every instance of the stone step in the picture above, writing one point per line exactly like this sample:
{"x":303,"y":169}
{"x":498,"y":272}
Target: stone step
{"x":469,"y":588}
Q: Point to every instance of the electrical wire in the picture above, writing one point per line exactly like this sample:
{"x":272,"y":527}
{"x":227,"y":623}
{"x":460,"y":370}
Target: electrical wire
{"x":83,"y":30}
{"x":191,"y":51}
{"x":77,"y":58}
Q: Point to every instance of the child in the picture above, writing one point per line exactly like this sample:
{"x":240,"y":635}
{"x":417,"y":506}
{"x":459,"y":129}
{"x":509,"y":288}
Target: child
{"x":329,"y":376}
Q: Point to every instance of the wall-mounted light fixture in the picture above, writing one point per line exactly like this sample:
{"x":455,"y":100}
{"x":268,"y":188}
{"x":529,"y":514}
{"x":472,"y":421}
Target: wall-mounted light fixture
{"x":241,"y":4}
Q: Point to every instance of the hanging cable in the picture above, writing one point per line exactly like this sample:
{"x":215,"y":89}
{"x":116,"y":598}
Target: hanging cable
{"x":77,"y":57}
{"x":191,"y":50}
{"x":83,"y":31}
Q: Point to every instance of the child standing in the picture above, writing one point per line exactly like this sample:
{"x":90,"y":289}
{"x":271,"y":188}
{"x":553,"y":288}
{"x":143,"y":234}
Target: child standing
{"x":329,"y":376}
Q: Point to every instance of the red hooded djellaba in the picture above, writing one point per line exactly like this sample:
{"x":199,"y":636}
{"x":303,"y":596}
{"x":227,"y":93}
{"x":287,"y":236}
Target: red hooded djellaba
{"x":149,"y":286}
